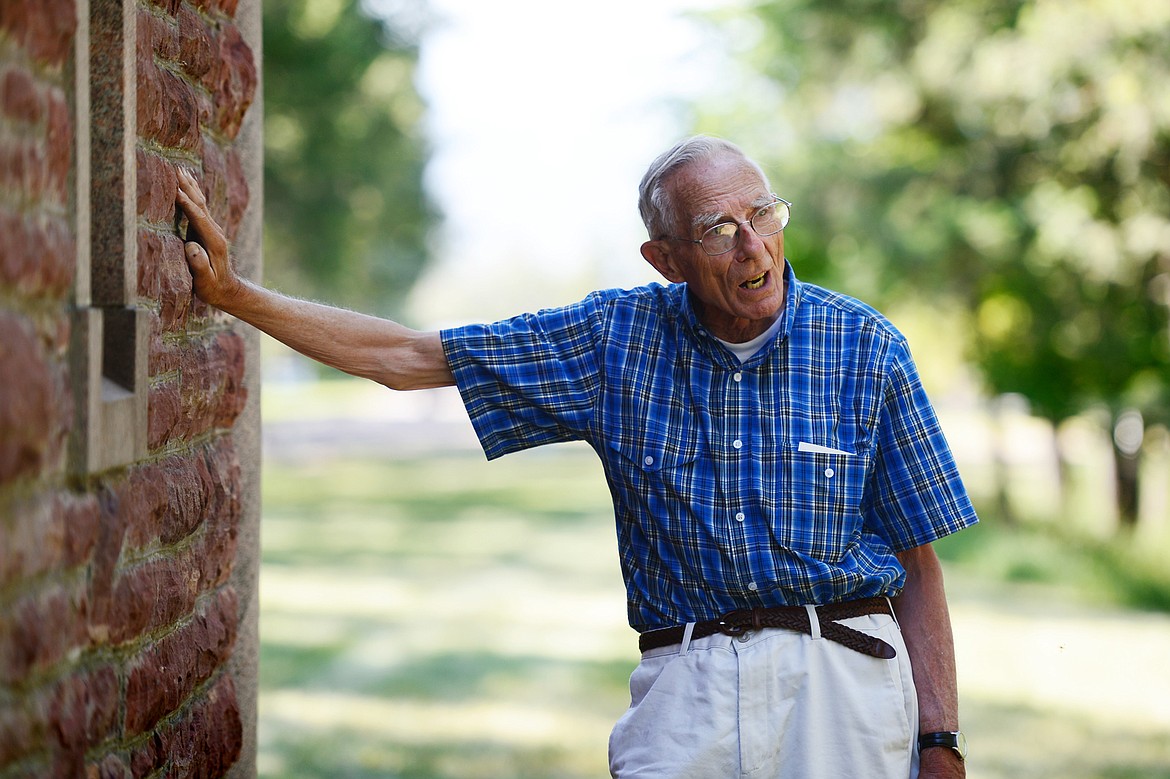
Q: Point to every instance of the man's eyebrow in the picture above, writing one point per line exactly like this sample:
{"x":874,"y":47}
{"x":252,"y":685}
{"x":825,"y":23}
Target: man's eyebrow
{"x":704,"y":222}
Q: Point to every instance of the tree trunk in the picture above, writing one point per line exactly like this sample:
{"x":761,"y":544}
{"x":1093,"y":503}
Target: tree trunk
{"x":1127,"y":467}
{"x":1128,"y":435}
{"x":1000,"y":468}
{"x":1064,"y":480}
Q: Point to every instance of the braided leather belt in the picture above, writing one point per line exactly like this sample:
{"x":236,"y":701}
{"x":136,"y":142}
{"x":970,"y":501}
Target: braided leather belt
{"x":795,"y":618}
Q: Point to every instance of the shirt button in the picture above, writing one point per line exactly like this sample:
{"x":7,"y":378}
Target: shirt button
{"x":738,"y":377}
{"x":649,"y":460}
{"x":829,"y":473}
{"x":753,"y":586}
{"x":737,"y":443}
{"x":740,"y":517}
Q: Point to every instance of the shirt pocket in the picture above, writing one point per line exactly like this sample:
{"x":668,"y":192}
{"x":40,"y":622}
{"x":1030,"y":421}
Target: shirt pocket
{"x":819,"y":496}
{"x":663,"y":471}
{"x":656,"y":457}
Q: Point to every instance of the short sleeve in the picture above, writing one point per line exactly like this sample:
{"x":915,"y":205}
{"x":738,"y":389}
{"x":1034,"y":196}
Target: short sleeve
{"x":529,"y":380}
{"x":916,"y":495}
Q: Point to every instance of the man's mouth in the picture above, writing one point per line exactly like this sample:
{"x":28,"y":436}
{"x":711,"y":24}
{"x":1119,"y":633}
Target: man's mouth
{"x":757,"y":282}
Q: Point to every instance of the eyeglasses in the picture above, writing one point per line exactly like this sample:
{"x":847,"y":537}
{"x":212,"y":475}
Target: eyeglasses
{"x":724,"y":236}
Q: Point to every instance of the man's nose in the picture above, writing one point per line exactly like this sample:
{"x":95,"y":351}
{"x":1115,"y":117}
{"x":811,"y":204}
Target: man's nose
{"x":750,"y":242}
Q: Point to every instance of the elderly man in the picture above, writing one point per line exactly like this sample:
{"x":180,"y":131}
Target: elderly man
{"x":777,"y":473}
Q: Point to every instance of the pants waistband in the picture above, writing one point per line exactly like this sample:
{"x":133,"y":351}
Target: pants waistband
{"x":795,"y":618}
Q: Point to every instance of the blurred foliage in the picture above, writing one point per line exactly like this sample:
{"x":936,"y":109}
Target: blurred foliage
{"x":346,"y":217}
{"x":1007,"y":160}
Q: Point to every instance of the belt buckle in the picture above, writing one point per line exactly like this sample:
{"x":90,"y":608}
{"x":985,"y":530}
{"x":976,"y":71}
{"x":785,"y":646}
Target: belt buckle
{"x":736,"y":623}
{"x":729,"y":629}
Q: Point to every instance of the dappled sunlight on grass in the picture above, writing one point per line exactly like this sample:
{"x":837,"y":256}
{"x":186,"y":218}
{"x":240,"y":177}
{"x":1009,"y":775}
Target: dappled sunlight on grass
{"x":440,"y":616}
{"x":466,"y":634}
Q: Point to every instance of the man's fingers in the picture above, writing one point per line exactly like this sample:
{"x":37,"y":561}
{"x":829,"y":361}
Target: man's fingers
{"x":201,"y":227}
{"x":197,"y":258}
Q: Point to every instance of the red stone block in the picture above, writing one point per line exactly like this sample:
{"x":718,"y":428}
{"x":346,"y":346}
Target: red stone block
{"x":236,"y":391}
{"x":214,"y":182}
{"x":84,"y":709}
{"x":167,"y":109}
{"x":40,"y":629}
{"x":235,"y":82}
{"x":197,"y":52}
{"x":45,"y":28}
{"x":47,"y":533}
{"x":144,"y":497}
{"x":168,"y":501}
{"x":176,"y":288}
{"x":203,"y":741}
{"x":163,"y":276}
{"x":21,"y":98}
{"x":157,"y":184}
{"x":37,"y":254}
{"x":150,"y":251}
{"x":104,"y":612}
{"x":21,"y":729}
{"x":237,"y":192}
{"x":80,"y":517}
{"x":164,"y":676}
{"x":31,"y":429}
{"x":208,"y":739}
{"x":163,"y":414}
{"x":157,"y":35}
{"x":24,"y":167}
{"x":59,"y":147}
{"x":223,"y":468}
{"x":159,"y":360}
{"x":152,"y":595}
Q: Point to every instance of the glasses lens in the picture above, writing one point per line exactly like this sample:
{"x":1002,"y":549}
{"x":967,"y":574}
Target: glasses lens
{"x":771,"y":219}
{"x":721,"y":238}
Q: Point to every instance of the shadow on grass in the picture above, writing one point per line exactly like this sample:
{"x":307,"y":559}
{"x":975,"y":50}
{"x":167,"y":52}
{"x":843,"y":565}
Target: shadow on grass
{"x":442,"y":676}
{"x":350,"y":754}
{"x":358,"y":681}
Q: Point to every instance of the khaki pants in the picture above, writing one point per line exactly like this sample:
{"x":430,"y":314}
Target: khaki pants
{"x":773,"y":704}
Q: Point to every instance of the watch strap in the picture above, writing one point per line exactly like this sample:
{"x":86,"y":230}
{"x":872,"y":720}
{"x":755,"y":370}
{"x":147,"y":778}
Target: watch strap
{"x":950,"y":739}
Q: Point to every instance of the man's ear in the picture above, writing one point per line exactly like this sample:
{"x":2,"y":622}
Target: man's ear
{"x":658,"y":254}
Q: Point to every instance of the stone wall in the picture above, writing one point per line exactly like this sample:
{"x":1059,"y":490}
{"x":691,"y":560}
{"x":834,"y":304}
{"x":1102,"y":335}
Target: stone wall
{"x":128,"y":435}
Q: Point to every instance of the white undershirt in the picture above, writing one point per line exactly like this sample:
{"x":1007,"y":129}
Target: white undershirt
{"x":746,"y":350}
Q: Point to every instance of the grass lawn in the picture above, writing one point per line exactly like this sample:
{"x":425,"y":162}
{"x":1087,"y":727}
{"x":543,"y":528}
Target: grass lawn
{"x":440,"y":616}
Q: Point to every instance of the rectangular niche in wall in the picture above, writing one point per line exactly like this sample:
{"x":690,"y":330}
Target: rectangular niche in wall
{"x":110,"y":333}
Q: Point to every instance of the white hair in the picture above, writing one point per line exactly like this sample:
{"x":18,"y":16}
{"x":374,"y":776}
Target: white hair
{"x":655,"y":199}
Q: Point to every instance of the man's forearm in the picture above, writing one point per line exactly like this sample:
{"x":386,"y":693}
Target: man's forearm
{"x":926,"y":627}
{"x":358,"y":344}
{"x":362,"y":345}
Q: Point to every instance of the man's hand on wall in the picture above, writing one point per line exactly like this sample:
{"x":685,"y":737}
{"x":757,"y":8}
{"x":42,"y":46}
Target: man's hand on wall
{"x":206,"y":246}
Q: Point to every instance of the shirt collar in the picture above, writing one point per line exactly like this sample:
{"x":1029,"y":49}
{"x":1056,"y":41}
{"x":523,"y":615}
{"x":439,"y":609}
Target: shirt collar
{"x":710,"y":345}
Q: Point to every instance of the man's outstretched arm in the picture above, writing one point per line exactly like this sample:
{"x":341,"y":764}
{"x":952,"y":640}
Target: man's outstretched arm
{"x":361,"y":345}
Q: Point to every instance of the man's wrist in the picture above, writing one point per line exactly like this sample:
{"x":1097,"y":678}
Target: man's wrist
{"x":952,"y":741}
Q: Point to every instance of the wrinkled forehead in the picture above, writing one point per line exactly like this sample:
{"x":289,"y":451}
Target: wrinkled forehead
{"x":707,"y":192}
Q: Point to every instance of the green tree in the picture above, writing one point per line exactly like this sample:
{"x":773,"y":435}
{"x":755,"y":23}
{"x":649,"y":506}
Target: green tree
{"x":346,"y":216}
{"x":1012,"y":158}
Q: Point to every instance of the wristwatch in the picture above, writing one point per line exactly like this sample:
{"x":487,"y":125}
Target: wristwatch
{"x":953,"y":740}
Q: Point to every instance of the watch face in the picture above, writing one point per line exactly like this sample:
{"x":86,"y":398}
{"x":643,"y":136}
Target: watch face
{"x":961,"y":744}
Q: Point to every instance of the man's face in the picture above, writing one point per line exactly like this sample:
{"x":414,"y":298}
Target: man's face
{"x":739,"y":294}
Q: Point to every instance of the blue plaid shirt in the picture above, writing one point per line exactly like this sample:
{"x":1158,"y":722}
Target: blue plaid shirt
{"x":790,"y":479}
